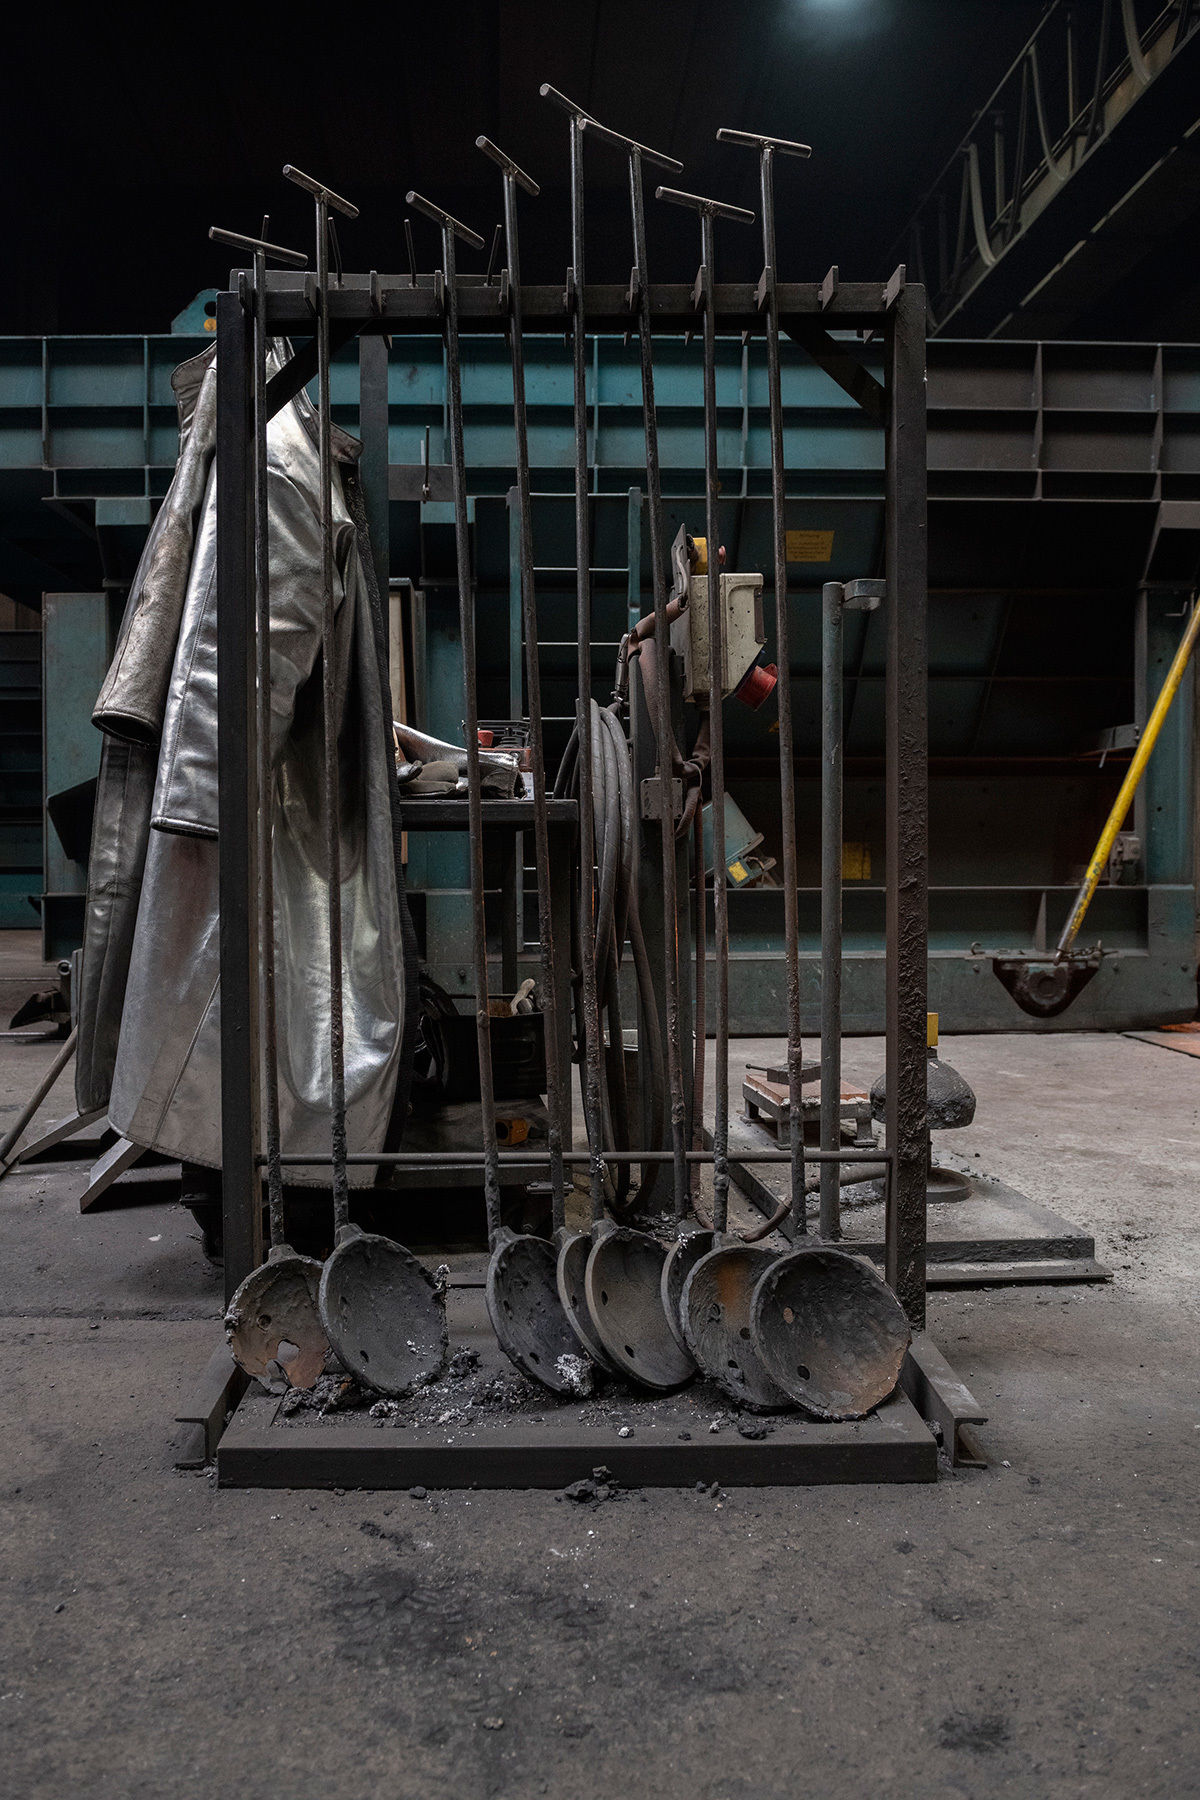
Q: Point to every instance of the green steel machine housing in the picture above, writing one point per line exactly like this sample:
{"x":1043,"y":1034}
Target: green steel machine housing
{"x":1064,"y":539}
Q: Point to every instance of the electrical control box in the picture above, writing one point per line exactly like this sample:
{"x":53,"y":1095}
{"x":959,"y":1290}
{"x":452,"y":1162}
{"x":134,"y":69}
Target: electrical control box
{"x":743,"y":633}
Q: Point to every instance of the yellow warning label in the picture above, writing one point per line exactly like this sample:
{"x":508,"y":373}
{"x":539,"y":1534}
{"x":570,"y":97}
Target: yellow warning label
{"x":739,"y":871}
{"x":809,"y":546}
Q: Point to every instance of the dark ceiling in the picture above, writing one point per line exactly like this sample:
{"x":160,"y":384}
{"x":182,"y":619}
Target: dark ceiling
{"x":127,"y":141}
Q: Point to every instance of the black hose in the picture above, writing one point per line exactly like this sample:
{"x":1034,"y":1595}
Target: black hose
{"x":617,"y":922}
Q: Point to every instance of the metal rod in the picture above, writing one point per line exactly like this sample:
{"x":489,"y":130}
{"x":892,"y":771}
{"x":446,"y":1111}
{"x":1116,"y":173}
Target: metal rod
{"x":767,"y":148}
{"x":449,"y":1159}
{"x":514,"y":177}
{"x":11,"y":1137}
{"x":716,"y":713}
{"x":710,"y":210}
{"x":291,"y":259}
{"x":450,"y":227}
{"x":240,"y":1142}
{"x":331,"y":769}
{"x":265,"y":818}
{"x":831,"y":899}
{"x":592,"y":1050}
{"x":640,"y":298}
{"x":324,"y":196}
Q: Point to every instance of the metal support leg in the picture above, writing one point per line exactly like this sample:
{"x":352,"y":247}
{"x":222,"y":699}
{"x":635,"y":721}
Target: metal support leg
{"x":373,"y":466}
{"x":240,"y":1137}
{"x":907,"y":799}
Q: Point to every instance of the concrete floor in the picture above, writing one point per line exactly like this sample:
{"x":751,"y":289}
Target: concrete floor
{"x":1030,"y":1629}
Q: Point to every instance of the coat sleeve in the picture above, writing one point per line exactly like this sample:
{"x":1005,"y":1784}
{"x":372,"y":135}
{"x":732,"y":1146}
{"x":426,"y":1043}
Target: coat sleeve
{"x":186,"y":798}
{"x":133,"y":697}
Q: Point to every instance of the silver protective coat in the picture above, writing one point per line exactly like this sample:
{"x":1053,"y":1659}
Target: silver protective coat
{"x":152,"y":948}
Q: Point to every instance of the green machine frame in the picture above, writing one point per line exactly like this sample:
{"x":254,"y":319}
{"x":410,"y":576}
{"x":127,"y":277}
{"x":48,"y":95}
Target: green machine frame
{"x":1064,"y":515}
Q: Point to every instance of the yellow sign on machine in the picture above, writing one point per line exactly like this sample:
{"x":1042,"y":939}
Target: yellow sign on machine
{"x":809,"y":546}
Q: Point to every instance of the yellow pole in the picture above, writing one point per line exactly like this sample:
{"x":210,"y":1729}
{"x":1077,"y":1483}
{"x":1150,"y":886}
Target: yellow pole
{"x":1124,"y":799}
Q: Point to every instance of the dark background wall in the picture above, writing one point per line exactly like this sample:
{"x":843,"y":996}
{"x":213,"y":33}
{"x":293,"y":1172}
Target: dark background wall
{"x":131,"y":131}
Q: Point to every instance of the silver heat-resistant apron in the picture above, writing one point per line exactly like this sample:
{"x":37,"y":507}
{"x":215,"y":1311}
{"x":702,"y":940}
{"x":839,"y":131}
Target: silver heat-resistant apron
{"x":150,"y":999}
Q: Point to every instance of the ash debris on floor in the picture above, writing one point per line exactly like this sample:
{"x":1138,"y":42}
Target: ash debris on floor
{"x":469,"y":1391}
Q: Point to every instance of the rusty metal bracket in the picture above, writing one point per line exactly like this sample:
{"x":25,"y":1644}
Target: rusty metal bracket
{"x":652,"y":804}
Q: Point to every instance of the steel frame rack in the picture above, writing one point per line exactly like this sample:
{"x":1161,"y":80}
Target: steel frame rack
{"x":368,"y":307}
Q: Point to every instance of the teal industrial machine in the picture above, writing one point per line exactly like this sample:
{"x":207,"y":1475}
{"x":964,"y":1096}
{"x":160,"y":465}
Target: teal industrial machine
{"x":1064,"y":536}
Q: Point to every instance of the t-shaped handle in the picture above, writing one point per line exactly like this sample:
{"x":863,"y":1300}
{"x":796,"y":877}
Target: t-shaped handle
{"x":508,"y":165}
{"x":291,"y":259}
{"x":655,"y":158}
{"x":711,"y":209}
{"x":572,"y":107}
{"x":754,"y":140}
{"x":319,"y":191}
{"x":444,"y":219}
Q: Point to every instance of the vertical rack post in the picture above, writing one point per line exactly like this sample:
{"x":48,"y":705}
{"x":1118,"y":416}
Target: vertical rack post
{"x":906,"y":798}
{"x":240,"y":1130}
{"x":832,"y":595}
{"x":373,"y":431}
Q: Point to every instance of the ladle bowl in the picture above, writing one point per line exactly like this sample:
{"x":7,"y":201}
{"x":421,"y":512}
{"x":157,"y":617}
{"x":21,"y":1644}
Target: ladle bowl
{"x":574,"y":1248}
{"x":830,"y":1331}
{"x":681,"y":1259}
{"x":527,"y":1315}
{"x":273,"y":1322}
{"x":384,"y":1313}
{"x":623,"y":1287}
{"x":715,"y":1312}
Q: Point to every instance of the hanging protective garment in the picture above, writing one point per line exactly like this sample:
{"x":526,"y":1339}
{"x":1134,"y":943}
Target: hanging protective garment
{"x":165,"y":1082}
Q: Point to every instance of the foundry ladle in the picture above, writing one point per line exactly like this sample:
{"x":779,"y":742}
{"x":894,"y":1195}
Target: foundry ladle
{"x":272,"y":1323}
{"x":383,"y":1312}
{"x":520,"y":1291}
{"x":716,"y":1292}
{"x":622,"y":1277}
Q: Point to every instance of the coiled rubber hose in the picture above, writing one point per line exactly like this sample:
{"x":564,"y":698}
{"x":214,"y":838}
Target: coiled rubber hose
{"x":618,"y":923}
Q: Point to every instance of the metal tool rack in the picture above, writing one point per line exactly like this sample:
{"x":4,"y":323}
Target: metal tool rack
{"x":369,"y":307}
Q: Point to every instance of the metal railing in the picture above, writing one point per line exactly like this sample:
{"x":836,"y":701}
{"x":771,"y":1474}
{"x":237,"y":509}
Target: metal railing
{"x":1079,"y":73}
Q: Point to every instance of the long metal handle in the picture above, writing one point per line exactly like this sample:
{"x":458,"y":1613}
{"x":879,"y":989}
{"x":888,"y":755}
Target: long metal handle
{"x":1129,"y":786}
{"x":662,"y":721}
{"x":831,"y":901}
{"x":541,"y":826}
{"x":329,"y":723}
{"x":593,"y":1103}
{"x":716,"y":664}
{"x":466,"y":622}
{"x":263,"y":251}
{"x":266,"y":808}
{"x":767,"y":147}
